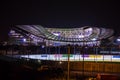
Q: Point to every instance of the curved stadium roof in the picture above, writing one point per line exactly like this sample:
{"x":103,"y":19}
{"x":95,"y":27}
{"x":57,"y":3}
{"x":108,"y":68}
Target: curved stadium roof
{"x":85,"y":33}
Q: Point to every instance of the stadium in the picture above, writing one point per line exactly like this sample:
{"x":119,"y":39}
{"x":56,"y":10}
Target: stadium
{"x":37,"y":34}
{"x":60,"y":47}
{"x":52,"y":43}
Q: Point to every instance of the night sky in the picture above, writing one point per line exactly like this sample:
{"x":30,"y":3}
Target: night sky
{"x":98,"y":13}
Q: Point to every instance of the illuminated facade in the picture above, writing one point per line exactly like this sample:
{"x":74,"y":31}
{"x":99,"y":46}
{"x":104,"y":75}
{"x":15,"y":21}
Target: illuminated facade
{"x":36,"y":34}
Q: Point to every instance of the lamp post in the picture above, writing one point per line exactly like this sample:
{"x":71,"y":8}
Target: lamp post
{"x":68,"y":74}
{"x":74,"y":52}
{"x":59,"y":51}
{"x":83,"y":60}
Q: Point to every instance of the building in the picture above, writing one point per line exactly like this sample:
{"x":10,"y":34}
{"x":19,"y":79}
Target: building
{"x":38,"y":35}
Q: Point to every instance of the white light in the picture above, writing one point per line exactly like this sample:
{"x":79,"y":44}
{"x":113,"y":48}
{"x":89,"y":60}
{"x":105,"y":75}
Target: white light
{"x":56,"y":34}
{"x":81,"y":36}
{"x":60,"y":62}
{"x":93,"y":39}
{"x":24,"y":40}
{"x":12,"y":31}
{"x":39,"y":60}
{"x":88,"y":29}
{"x":27,"y":59}
{"x":43,"y":46}
{"x":118,"y":39}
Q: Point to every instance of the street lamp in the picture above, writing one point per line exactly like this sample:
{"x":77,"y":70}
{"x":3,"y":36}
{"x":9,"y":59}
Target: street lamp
{"x":68,"y":74}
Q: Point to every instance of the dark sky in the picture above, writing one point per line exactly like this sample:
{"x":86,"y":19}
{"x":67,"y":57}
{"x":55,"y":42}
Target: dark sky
{"x":98,"y":13}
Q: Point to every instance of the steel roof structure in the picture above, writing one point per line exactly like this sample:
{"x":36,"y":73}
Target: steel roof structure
{"x":81,"y":34}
